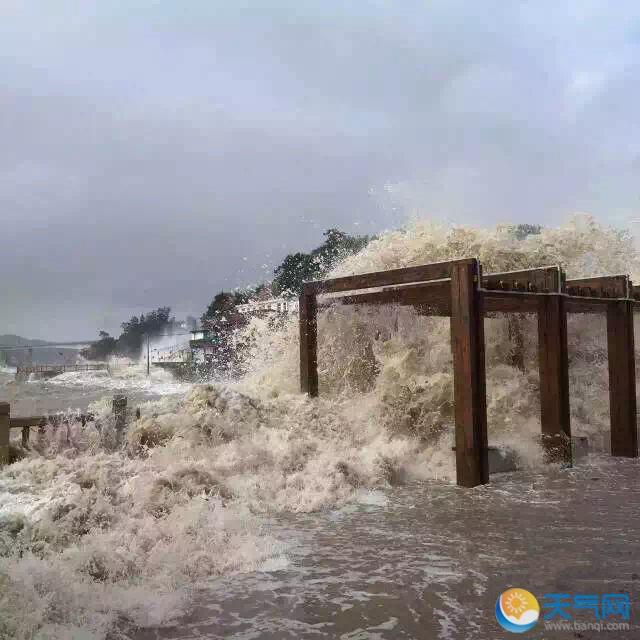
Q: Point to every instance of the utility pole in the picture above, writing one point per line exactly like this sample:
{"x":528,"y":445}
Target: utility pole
{"x":148,"y":359}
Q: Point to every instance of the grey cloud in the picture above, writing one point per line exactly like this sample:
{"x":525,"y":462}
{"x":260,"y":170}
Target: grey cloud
{"x":153,"y":153}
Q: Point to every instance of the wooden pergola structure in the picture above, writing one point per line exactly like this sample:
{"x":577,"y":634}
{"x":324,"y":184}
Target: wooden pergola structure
{"x":458,"y":289}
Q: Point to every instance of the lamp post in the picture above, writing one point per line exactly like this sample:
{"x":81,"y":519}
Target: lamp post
{"x":148,"y":359}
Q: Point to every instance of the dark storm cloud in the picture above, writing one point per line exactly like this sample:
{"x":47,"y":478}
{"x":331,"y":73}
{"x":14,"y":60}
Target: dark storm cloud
{"x":153,"y":153}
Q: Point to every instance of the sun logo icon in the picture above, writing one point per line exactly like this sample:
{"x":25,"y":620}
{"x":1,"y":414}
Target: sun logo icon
{"x":517,"y":610}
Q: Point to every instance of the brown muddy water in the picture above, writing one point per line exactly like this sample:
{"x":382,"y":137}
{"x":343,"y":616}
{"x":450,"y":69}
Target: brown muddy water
{"x":423,"y":560}
{"x":429,"y":561}
{"x":77,"y":390}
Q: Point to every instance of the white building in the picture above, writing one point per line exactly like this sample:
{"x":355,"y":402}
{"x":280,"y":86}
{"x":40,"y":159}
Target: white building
{"x":273,"y":305}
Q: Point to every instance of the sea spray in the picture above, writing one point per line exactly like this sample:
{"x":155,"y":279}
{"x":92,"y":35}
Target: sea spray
{"x":117,"y":537}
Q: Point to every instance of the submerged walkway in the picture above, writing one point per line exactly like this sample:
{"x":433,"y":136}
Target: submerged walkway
{"x":428,"y":561}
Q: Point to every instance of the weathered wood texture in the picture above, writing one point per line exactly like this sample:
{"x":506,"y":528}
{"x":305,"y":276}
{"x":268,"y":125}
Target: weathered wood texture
{"x":309,"y":344}
{"x":119,"y":407}
{"x":553,"y":364}
{"x":622,"y":379}
{"x":421,"y":273}
{"x":538,"y":280}
{"x":4,"y":432}
{"x":577,"y":304}
{"x":27,"y":421}
{"x":453,"y":288}
{"x":510,"y":301}
{"x":467,"y":345}
{"x":24,"y":422}
{"x":430,"y":298}
{"x":600,"y":287}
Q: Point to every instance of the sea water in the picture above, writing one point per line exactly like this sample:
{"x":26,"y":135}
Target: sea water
{"x":247,"y":510}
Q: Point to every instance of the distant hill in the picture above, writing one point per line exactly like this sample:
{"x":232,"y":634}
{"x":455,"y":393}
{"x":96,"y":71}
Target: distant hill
{"x":11,"y":340}
{"x":44,"y":352}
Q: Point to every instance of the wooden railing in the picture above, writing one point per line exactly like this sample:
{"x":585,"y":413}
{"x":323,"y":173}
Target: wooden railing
{"x":59,"y":368}
{"x":26,"y":422}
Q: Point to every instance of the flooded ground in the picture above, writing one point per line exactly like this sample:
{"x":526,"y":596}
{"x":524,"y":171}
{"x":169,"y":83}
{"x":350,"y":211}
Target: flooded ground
{"x":420,"y":560}
{"x":77,"y":390}
{"x":429,"y":561}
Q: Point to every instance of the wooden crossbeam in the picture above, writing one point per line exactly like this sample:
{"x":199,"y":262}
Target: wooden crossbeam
{"x":537,"y":280}
{"x":600,"y":287}
{"x":459,"y":289}
{"x":510,"y":301}
{"x":578,"y":304}
{"x":421,"y":273}
{"x":429,"y":298}
{"x":27,"y":421}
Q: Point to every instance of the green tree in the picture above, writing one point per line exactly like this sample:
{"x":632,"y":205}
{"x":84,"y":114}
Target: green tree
{"x":220,"y":309}
{"x":521,"y":231}
{"x":299,"y":267}
{"x":130,"y":341}
{"x":337,"y":246}
{"x":294,"y":270}
{"x":154,"y":323}
{"x":102,"y":349}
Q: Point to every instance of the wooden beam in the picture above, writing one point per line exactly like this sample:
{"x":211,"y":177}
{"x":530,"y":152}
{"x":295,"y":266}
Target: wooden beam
{"x":510,"y":301}
{"x":430,"y":298}
{"x":600,"y":287}
{"x":5,"y":410}
{"x":421,"y":273}
{"x":538,"y":280}
{"x":27,"y":421}
{"x":23,"y":422}
{"x":578,"y":304}
{"x":622,"y":379}
{"x":308,"y":344}
{"x":553,"y":364}
{"x":467,"y":345}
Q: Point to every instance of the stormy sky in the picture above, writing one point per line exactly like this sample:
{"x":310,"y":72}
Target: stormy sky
{"x":154,"y":152}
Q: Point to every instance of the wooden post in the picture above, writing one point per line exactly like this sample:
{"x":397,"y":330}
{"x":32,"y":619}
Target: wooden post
{"x":553,"y":365}
{"x":308,"y":344}
{"x":26,"y":432}
{"x":120,"y":415}
{"x":467,"y":345}
{"x":5,"y":410}
{"x":622,"y":379}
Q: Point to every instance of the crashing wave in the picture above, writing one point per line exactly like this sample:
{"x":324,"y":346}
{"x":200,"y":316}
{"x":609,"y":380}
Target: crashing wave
{"x":94,"y":536}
